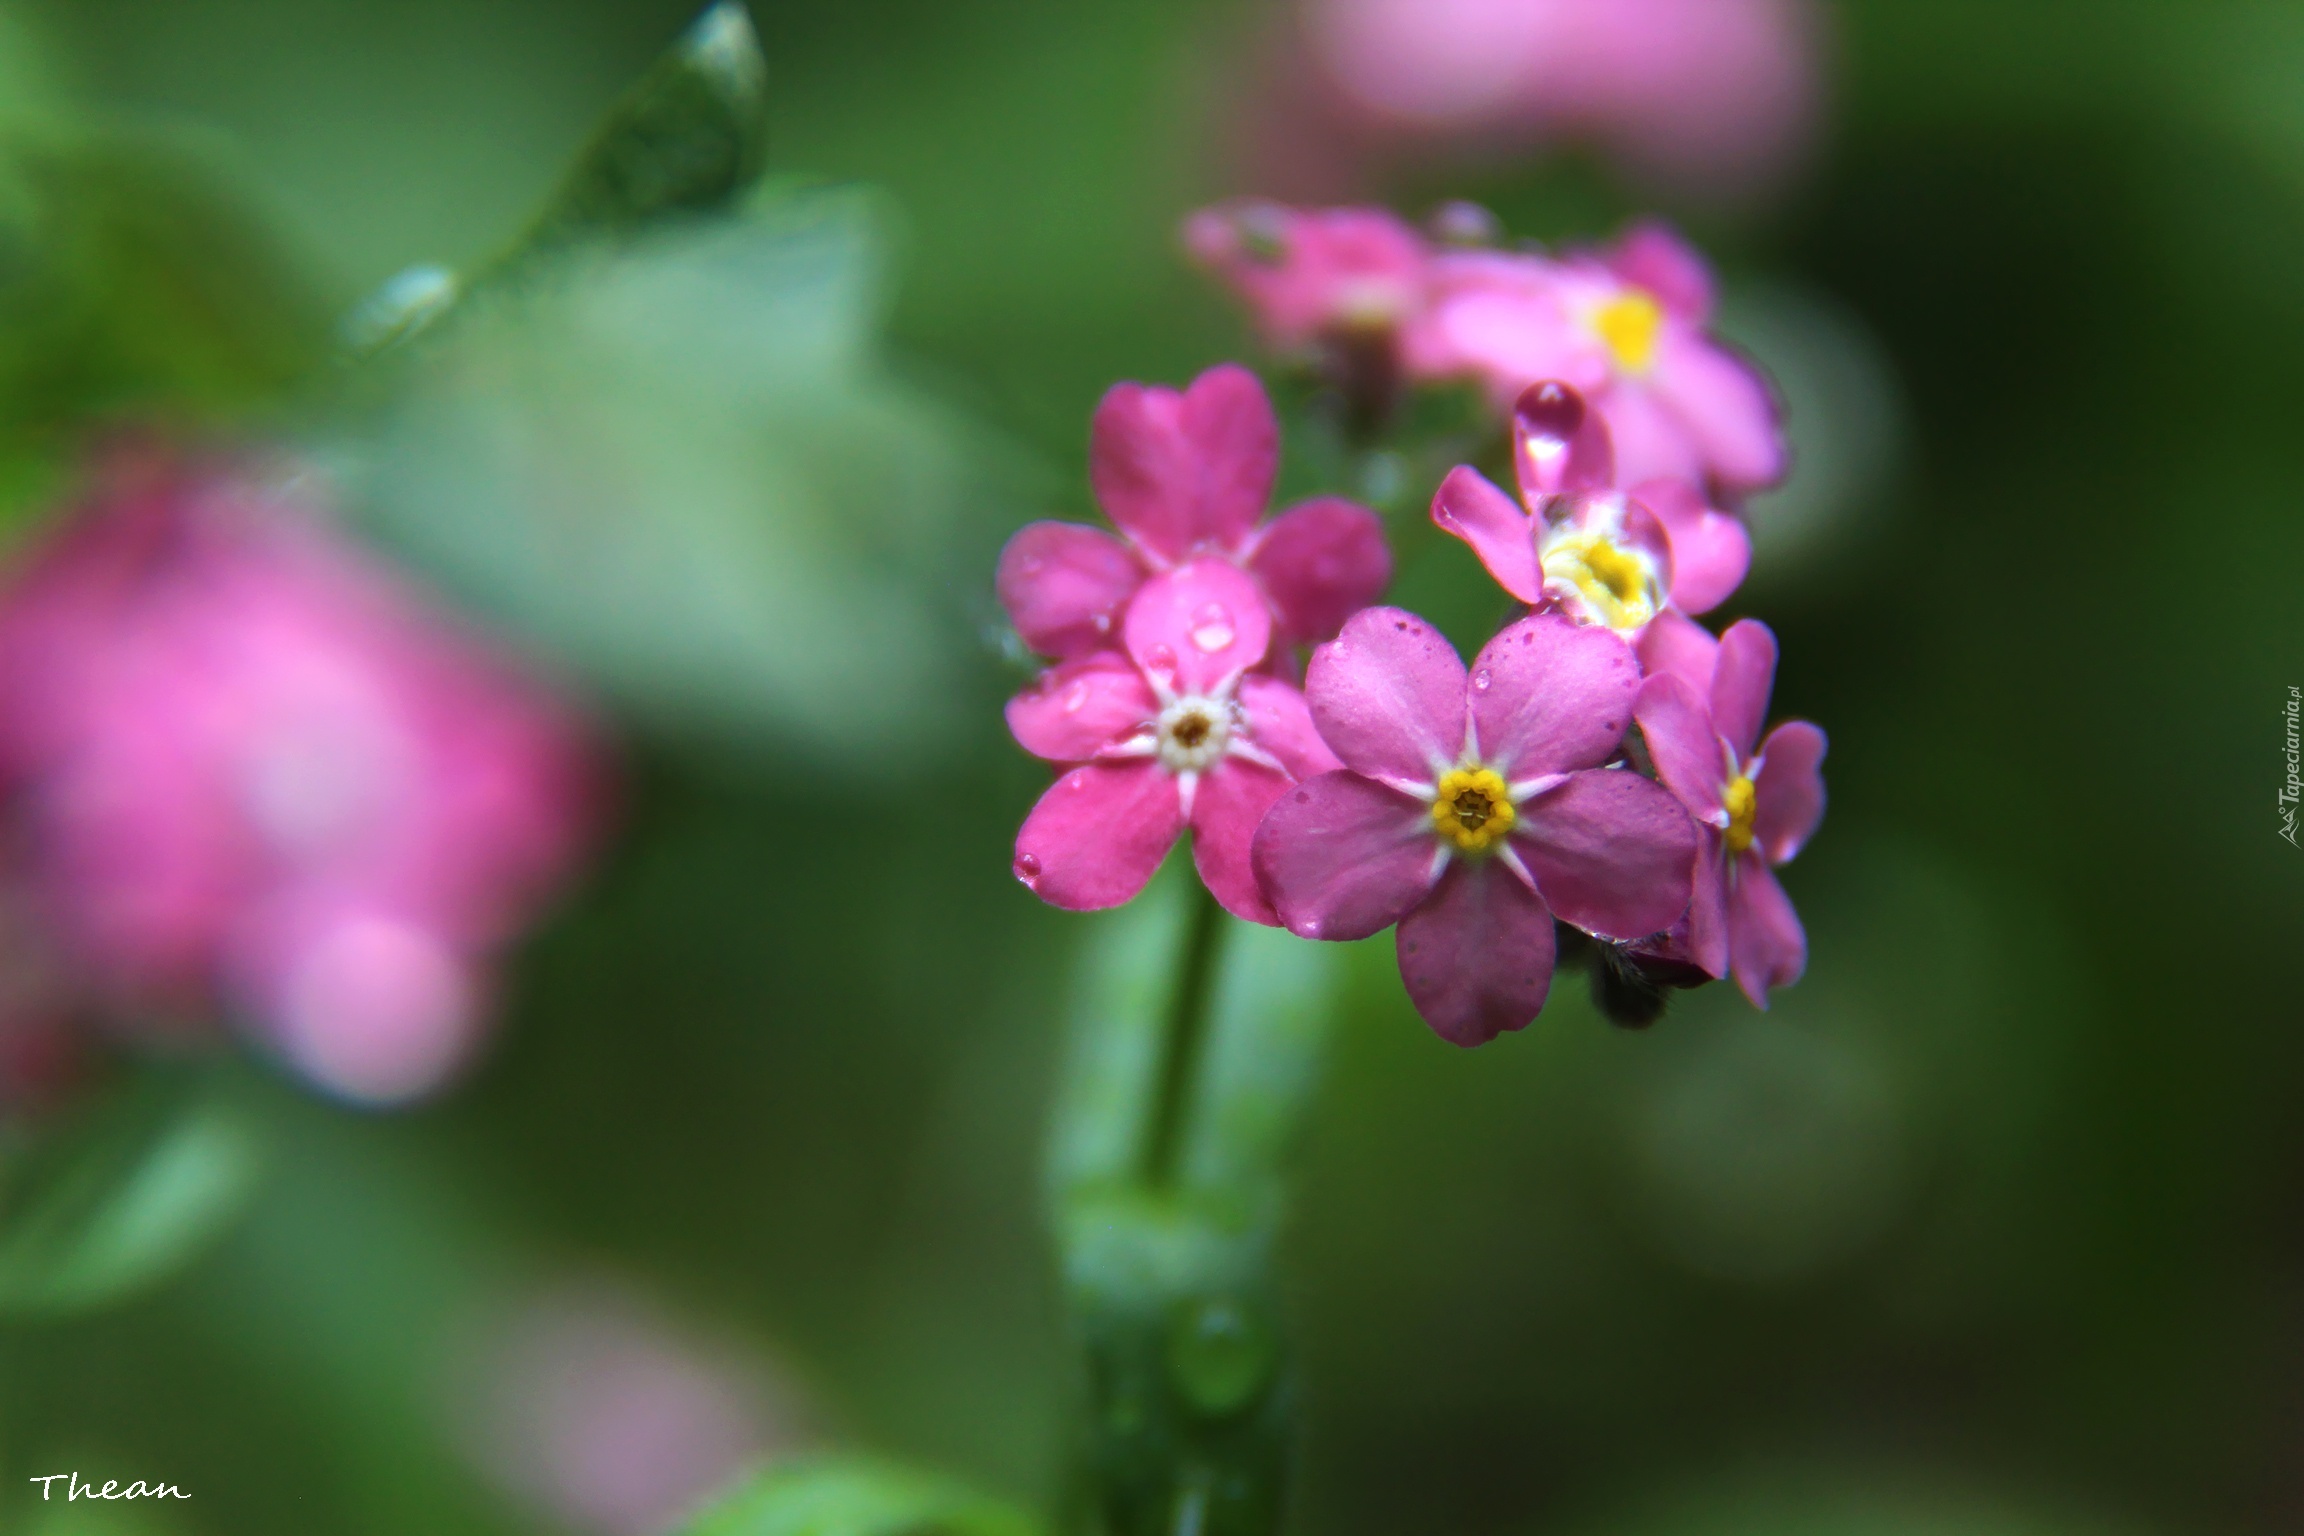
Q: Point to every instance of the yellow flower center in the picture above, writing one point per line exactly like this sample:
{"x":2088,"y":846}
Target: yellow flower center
{"x":1738,"y":798}
{"x":1629,"y":324}
{"x":1474,"y":809}
{"x":1616,"y":584}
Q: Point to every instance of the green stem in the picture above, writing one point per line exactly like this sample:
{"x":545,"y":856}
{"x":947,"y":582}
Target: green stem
{"x":1182,"y":1042}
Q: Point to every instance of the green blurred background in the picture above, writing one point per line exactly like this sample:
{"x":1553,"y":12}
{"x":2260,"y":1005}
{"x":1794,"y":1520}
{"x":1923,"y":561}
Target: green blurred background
{"x":1994,"y":1224}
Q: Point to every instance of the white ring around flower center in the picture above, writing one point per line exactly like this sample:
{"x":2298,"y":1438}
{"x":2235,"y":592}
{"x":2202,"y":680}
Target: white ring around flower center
{"x":1192,"y":733}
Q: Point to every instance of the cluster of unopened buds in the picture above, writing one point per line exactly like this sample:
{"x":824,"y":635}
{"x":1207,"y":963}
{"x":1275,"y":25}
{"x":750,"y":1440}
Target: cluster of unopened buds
{"x":1596,"y":785}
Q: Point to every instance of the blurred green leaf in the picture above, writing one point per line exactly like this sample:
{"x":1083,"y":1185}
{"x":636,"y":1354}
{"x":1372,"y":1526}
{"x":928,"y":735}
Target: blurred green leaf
{"x":857,"y":1496}
{"x":683,"y":466}
{"x":120,"y":1198}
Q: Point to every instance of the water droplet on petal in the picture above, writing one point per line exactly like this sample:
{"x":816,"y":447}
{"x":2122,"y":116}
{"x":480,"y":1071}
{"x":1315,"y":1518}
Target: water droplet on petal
{"x":1212,"y":627}
{"x":1159,"y":659}
{"x":1027,"y":868}
{"x":1481,"y":679}
{"x":1077,"y":695}
{"x":1103,"y":623}
{"x":1031,"y":565}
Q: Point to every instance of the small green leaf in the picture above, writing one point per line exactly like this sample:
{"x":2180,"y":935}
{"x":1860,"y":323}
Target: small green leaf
{"x":689,"y":136}
{"x":857,"y":1496}
{"x":134,"y":1189}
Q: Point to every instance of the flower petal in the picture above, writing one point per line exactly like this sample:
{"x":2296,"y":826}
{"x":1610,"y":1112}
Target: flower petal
{"x":1549,"y":695}
{"x":1098,"y":834}
{"x":1470,"y":507}
{"x":1322,"y":561}
{"x":1683,"y":745}
{"x":1743,"y":676}
{"x":1788,"y":797}
{"x":1711,"y":550}
{"x":1652,"y":255}
{"x":1558,"y":444}
{"x":1723,"y":403}
{"x":1768,"y":948}
{"x":1388,"y":696}
{"x":1194,"y":627}
{"x":1611,"y":852}
{"x":1342,"y":857}
{"x":1064,"y":586}
{"x":1179,"y":471}
{"x":1477,"y":957}
{"x":1280,"y":722}
{"x":1707,"y":925}
{"x":1676,"y":644}
{"x":1226,"y":808}
{"x":1652,"y":443}
{"x":1080,"y":707}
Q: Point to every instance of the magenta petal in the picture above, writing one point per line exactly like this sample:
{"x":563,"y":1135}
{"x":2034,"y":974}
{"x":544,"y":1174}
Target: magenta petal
{"x":1226,"y":808}
{"x":1080,"y":707}
{"x":1097,"y":835}
{"x":1558,"y":444}
{"x":1279,"y":722}
{"x":1177,"y":471}
{"x":1342,"y":857}
{"x":1549,"y":695}
{"x":1652,"y":255}
{"x":1788,"y":797}
{"x":1322,"y":561}
{"x":1708,"y":904}
{"x":1725,"y":407}
{"x":1767,"y":946}
{"x":1682,"y":744}
{"x":1388,"y":696}
{"x":1474,"y":510}
{"x":1652,"y":442}
{"x":1711,"y":550}
{"x":1477,"y":957}
{"x":1197,"y":626}
{"x":1677,"y":645}
{"x":1611,"y":852}
{"x":1064,"y":586}
{"x":1743,"y":676}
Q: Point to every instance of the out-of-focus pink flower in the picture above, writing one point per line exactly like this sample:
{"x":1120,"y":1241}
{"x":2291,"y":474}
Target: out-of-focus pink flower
{"x":1309,"y":273}
{"x":1599,"y":555}
{"x":1472,"y":809}
{"x":1176,"y":732}
{"x":1627,"y":329}
{"x":1755,"y":809}
{"x":250,"y":766}
{"x":1187,"y":476}
{"x":585,"y":1405}
{"x":1712,"y":95}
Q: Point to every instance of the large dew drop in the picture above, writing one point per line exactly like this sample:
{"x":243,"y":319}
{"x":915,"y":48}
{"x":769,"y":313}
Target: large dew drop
{"x":1212,"y":627}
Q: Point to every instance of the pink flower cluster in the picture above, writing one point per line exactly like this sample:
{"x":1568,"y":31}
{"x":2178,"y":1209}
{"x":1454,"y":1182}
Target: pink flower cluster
{"x":1472,"y":809}
{"x":245,"y":769}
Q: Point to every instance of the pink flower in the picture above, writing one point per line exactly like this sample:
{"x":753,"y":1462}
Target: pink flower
{"x":1626,"y":328}
{"x":1755,"y":809}
{"x":1309,"y":273}
{"x":1472,"y":809}
{"x":1177,"y":732}
{"x":1571,"y":542}
{"x":1186,"y":476}
{"x":251,"y":767}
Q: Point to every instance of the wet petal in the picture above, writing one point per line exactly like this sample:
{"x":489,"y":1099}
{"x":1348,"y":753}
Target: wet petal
{"x":1342,"y":857}
{"x":1683,"y":745}
{"x":1177,"y":471}
{"x":1280,"y":723}
{"x":1549,"y":695}
{"x":1711,"y":550}
{"x":1558,"y":444}
{"x":1612,"y":852}
{"x":1675,"y":644}
{"x":1388,"y":696}
{"x":1079,"y":707}
{"x":1321,"y":562}
{"x":1788,"y":797}
{"x":1226,"y":808}
{"x":1098,"y":834}
{"x":1767,"y":947}
{"x":1474,"y":510}
{"x":1743,"y":676}
{"x":1193,"y":627}
{"x":1477,"y":957}
{"x":1064,"y":586}
{"x":1724,"y":406}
